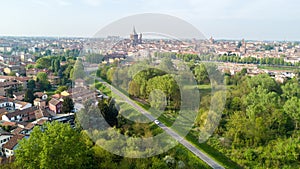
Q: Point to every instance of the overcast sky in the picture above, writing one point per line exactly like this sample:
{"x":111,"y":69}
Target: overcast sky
{"x":222,"y":19}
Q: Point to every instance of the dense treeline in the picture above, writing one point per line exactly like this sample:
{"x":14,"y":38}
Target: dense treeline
{"x":152,"y":84}
{"x":224,"y":58}
{"x":61,"y":66}
{"x":94,"y":58}
{"x":259,"y":128}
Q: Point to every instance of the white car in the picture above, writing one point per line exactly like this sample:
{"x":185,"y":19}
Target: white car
{"x":156,"y":122}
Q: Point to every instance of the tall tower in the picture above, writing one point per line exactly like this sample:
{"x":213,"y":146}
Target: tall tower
{"x":211,"y":40}
{"x":134,"y":37}
{"x":141,"y":38}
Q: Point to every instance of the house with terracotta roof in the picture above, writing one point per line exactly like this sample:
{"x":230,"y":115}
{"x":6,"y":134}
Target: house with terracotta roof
{"x":24,"y":129}
{"x":55,"y":105}
{"x":18,"y":130}
{"x":44,"y":113}
{"x":20,"y":115}
{"x":19,"y":81}
{"x":4,"y":138}
{"x":11,"y":145}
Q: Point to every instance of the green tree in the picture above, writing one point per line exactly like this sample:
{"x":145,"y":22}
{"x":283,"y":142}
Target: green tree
{"x":42,"y":79}
{"x":109,"y":111}
{"x":134,"y":89}
{"x":68,"y":105}
{"x":201,"y":74}
{"x":61,"y":89}
{"x":42,"y":76}
{"x":78,"y":71}
{"x":9,"y":92}
{"x":56,"y":65}
{"x":29,"y":97}
{"x":31,"y":84}
{"x":265,"y":81}
{"x":44,"y":62}
{"x":292,"y":108}
{"x":67,"y":71}
{"x":30,"y":66}
{"x":54,"y":145}
{"x":12,"y":73}
{"x":63,"y":59}
{"x":291,"y":89}
{"x":167,"y":85}
{"x":166,"y":64}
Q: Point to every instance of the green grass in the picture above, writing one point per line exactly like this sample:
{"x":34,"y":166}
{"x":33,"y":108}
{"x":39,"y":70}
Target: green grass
{"x":278,"y":67}
{"x":127,"y":111}
{"x":213,"y":153}
{"x":98,"y":85}
{"x":201,"y":163}
{"x":204,"y":89}
{"x":165,"y":120}
{"x":50,"y":92}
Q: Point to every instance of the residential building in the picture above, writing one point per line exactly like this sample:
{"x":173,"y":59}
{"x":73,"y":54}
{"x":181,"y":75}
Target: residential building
{"x":11,"y":145}
{"x":20,"y":115}
{"x":55,"y":105}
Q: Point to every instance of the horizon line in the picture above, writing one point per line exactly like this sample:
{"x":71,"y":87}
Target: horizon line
{"x":88,"y":37}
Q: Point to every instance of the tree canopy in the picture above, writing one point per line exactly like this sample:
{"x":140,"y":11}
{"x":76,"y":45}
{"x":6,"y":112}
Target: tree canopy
{"x":54,"y":145}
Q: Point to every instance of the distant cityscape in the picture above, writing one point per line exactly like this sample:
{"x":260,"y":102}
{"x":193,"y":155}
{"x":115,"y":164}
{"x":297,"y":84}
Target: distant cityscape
{"x":18,"y":52}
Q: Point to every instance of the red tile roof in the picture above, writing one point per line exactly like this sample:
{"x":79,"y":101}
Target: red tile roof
{"x":17,"y":130}
{"x":25,"y":112}
{"x":54,"y":102}
{"x":13,"y":141}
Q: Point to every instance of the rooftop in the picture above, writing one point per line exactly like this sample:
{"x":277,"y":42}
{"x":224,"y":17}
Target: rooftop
{"x":13,"y":141}
{"x":20,"y":112}
{"x":54,"y":102}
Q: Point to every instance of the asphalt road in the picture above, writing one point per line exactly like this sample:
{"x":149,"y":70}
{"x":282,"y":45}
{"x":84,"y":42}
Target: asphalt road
{"x":212,"y":163}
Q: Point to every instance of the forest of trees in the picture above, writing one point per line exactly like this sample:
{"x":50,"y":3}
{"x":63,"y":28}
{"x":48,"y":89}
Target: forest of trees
{"x":224,"y":58}
{"x":259,"y":128}
{"x":53,"y":63}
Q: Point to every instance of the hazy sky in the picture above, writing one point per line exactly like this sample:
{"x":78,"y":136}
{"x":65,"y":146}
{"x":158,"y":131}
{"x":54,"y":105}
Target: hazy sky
{"x":228,"y":19}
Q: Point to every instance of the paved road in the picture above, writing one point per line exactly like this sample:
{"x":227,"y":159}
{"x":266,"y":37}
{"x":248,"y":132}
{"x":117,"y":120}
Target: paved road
{"x":172,"y":133}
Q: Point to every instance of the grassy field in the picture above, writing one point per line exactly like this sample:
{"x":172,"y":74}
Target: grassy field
{"x":105,"y":90}
{"x":288,"y":68}
{"x":210,"y":151}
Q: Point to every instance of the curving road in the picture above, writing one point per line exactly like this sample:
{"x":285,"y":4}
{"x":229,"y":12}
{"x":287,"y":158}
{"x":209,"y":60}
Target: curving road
{"x":212,"y":163}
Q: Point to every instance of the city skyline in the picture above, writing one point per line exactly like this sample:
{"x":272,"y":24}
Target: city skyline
{"x":229,"y":19}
